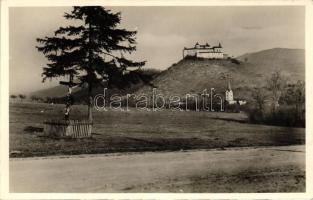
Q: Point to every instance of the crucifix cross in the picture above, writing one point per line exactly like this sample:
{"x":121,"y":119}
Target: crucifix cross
{"x":70,"y":84}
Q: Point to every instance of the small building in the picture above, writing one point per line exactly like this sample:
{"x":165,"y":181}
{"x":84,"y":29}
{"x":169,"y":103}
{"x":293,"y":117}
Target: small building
{"x":205,"y":51}
{"x":229,"y":97}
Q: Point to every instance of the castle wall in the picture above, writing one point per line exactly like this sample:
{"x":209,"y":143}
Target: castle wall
{"x":210,"y":55}
{"x":204,"y":53}
{"x":190,"y":52}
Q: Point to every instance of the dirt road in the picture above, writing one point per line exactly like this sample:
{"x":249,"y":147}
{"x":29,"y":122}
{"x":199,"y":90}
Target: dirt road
{"x":270,"y":169}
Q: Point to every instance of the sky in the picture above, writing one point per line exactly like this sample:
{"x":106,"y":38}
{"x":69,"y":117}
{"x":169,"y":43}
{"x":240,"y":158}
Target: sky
{"x":162,"y":34}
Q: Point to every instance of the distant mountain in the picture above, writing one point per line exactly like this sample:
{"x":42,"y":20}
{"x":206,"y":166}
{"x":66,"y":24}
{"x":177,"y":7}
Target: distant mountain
{"x":57,"y":91}
{"x":134,"y":79}
{"x":291,"y":62}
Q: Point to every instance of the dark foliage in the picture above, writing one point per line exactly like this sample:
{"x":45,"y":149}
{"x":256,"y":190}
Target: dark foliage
{"x":88,"y":51}
{"x":279,"y":103}
{"x":91,"y":52}
{"x":234,"y":108}
{"x":22,"y":96}
{"x":284,"y":116}
{"x":235,"y":61}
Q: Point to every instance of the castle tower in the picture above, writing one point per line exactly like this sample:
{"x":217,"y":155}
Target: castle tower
{"x":197,"y":45}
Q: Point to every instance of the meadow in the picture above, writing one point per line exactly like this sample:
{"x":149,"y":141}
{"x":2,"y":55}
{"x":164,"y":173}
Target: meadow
{"x":139,"y":131}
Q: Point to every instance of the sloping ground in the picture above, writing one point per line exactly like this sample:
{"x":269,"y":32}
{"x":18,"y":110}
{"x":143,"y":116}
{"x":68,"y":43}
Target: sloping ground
{"x":290,"y":61}
{"x":57,"y":91}
{"x":133,"y":81}
{"x":192,"y":76}
{"x":195,"y":75}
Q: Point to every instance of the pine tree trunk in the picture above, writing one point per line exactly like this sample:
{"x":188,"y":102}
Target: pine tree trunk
{"x":90,"y":103}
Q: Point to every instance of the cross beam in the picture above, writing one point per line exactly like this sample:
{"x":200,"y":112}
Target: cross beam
{"x":69,"y":98}
{"x":68,"y":83}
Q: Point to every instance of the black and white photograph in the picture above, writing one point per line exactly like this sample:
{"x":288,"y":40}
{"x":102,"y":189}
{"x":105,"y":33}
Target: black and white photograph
{"x":157,"y":99}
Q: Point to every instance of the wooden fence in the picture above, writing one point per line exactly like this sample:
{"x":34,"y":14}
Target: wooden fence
{"x":68,"y":128}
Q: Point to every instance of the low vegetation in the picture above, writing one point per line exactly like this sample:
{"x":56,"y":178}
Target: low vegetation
{"x":21,"y":97}
{"x":140,"y":131}
{"x":279,"y":103}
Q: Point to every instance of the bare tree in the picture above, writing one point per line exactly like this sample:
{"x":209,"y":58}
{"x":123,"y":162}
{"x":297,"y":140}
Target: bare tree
{"x":259,"y":98}
{"x":295,"y":96}
{"x":34,"y":98}
{"x":300,"y":97}
{"x":276,"y":84}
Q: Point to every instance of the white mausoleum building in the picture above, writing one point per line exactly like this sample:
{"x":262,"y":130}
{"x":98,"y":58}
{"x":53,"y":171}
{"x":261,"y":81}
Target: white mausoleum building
{"x":205,"y":51}
{"x":229,"y":96}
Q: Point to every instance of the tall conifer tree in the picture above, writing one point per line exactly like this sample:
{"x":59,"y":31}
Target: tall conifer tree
{"x":91,"y":50}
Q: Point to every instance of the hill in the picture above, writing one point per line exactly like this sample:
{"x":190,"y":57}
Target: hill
{"x":194,"y":75}
{"x":289,"y":61}
{"x":57,"y":91}
{"x":134,"y":79}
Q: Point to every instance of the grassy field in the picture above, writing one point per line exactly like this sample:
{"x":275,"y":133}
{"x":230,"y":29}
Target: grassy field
{"x":137,"y":131}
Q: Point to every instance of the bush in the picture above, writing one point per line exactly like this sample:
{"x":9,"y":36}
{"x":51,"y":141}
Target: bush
{"x":235,"y":108}
{"x":284,"y":116}
{"x":22,"y":96}
{"x":255,"y":115}
{"x":235,"y":61}
{"x":12,"y":96}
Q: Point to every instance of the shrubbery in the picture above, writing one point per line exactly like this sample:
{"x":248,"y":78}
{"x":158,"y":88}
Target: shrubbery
{"x":278,"y":103}
{"x":234,"y":108}
{"x":284,"y":116}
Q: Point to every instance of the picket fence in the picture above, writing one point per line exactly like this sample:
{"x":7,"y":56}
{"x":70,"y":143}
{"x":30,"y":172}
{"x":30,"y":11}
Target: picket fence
{"x":68,"y":128}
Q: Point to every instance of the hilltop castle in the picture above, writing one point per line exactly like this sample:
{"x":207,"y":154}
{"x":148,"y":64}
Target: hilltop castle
{"x":205,"y":51}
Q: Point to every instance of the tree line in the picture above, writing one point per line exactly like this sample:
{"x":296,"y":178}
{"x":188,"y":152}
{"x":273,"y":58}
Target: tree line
{"x":33,"y":98}
{"x":279,"y":102}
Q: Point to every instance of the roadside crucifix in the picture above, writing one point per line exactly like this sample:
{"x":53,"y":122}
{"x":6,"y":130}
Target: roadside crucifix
{"x":69,"y":99}
{"x":79,"y":51}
